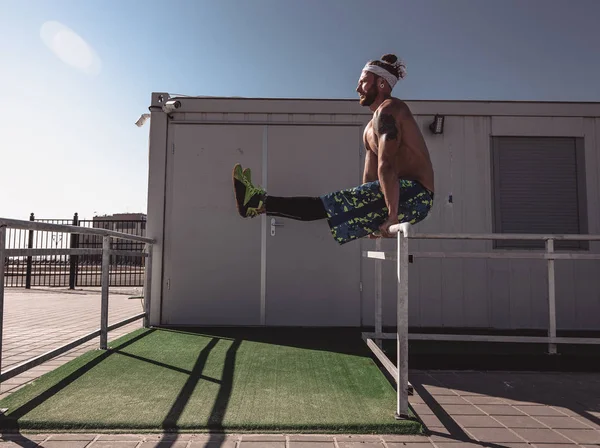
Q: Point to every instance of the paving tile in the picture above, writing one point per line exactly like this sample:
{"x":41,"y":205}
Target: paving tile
{"x":460,"y":409}
{"x":310,"y":438}
{"x":353,"y":438}
{"x":422,"y":409}
{"x":263,"y":438}
{"x":64,"y":444}
{"x":404,"y":438}
{"x":541,"y":435}
{"x":360,"y":445}
{"x":563,"y":422}
{"x":539,"y":410}
{"x":162,"y":444}
{"x":13,"y":444}
{"x":425,"y":444}
{"x":431,"y":421}
{"x":312,"y":444}
{"x":582,"y":435}
{"x":494,"y":435}
{"x":476,"y":421}
{"x":519,"y":421}
{"x":499,"y":409}
{"x":212,"y":444}
{"x":113,"y":444}
{"x":483,"y":399}
{"x":120,"y":437}
{"x":263,"y":444}
{"x":85,"y":437}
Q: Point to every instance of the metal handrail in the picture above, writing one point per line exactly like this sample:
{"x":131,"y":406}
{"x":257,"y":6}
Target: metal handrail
{"x":64,"y":228}
{"x":403,"y":234}
{"x":106,"y":252}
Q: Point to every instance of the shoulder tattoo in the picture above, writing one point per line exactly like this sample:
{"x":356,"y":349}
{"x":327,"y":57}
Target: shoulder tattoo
{"x":385,"y":124}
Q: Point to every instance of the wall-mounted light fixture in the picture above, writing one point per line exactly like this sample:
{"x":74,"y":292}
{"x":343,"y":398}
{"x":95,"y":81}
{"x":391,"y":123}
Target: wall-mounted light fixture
{"x":437,"y":126}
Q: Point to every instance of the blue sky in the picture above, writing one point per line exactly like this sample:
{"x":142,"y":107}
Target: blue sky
{"x":69,"y":143}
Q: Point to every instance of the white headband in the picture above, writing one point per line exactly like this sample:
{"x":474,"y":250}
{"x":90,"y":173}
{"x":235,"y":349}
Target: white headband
{"x":391,"y":79}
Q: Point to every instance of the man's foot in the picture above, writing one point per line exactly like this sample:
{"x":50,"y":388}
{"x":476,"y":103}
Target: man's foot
{"x":250,"y":200}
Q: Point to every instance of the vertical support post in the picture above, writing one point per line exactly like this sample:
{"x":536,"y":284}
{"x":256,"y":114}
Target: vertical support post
{"x":402,"y":323}
{"x":104,"y":303}
{"x":378,"y":294}
{"x":2,"y":256}
{"x":29,"y":258}
{"x":73,"y":259}
{"x":551,"y":297}
{"x":148,"y":286}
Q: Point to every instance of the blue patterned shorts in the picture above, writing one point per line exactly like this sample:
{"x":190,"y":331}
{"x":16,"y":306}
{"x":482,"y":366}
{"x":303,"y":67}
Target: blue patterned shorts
{"x":356,"y":212}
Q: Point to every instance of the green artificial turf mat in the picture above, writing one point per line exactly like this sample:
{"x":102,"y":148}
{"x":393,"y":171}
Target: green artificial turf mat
{"x":215,"y":380}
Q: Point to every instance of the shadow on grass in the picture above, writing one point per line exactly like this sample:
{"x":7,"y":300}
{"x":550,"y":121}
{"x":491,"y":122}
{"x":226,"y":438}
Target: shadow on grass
{"x":341,"y":340}
{"x":10,"y":423}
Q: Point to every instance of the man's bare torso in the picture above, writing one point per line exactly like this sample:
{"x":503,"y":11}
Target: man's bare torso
{"x":412,"y":160}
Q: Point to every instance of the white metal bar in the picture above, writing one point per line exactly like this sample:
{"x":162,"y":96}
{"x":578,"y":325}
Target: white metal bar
{"x":42,"y":226}
{"x":44,"y":252}
{"x":499,"y":236}
{"x":105,"y":284}
{"x":148,"y":286}
{"x":551,"y":298}
{"x":487,"y":338}
{"x":385,"y":361}
{"x":378,"y":293}
{"x":402,"y":326}
{"x":377,"y":255}
{"x":2,"y":258}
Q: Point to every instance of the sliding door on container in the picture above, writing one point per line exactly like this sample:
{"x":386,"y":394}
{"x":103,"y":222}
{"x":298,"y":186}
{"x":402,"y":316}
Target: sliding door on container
{"x":212,"y":273}
{"x":310,"y":279}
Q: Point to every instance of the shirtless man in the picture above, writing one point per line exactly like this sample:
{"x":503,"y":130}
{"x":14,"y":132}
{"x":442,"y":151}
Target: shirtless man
{"x":398,"y":178}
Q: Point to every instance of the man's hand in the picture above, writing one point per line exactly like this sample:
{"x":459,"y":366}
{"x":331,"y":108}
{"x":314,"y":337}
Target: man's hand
{"x":384,"y":228}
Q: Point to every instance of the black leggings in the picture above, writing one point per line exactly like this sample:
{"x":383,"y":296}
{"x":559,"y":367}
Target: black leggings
{"x":301,"y":208}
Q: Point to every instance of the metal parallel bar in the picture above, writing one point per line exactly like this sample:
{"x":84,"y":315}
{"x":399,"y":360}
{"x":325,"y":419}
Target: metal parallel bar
{"x":105,"y":284}
{"x":63,"y":228}
{"x":378,"y":293}
{"x":378,"y":255}
{"x":551,"y":298}
{"x":501,"y":236}
{"x":2,"y":258}
{"x":24,"y":366}
{"x":402,"y":327}
{"x":148,"y":286}
{"x":389,"y":365}
{"x":487,"y":338}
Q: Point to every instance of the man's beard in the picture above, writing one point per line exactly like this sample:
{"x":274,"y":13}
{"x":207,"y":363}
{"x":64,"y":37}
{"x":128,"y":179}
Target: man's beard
{"x":369,"y":97}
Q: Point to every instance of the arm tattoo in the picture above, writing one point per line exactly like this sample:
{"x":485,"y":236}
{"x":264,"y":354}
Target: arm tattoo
{"x":386,"y":125}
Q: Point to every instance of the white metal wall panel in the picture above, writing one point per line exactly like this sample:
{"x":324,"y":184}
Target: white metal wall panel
{"x":311,"y":279}
{"x":212,"y":260}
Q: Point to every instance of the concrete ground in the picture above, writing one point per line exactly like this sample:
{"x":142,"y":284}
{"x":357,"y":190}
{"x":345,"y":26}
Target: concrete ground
{"x":460,"y":408}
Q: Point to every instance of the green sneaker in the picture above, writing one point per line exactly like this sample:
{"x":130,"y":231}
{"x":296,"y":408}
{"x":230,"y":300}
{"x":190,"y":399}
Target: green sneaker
{"x":250,"y":200}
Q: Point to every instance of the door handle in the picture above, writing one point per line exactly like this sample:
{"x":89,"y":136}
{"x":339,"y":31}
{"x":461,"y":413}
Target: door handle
{"x":274,"y":224}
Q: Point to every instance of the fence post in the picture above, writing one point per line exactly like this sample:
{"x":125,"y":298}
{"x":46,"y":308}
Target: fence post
{"x":104,"y":303}
{"x":29,"y":258}
{"x":74,"y":259}
{"x":2,"y":252}
{"x":148,"y":286}
{"x":551,"y":297}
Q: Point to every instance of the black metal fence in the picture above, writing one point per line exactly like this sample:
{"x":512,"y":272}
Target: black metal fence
{"x":74,"y":270}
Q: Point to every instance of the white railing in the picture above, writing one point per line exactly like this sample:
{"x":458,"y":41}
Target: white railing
{"x":404,"y":233}
{"x":106,"y":252}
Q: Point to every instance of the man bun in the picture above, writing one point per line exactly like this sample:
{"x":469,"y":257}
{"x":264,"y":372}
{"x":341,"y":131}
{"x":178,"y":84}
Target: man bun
{"x":389,"y":58}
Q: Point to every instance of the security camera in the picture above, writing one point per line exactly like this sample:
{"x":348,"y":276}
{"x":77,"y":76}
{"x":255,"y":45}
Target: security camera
{"x":142,"y":120}
{"x":170,"y":106}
